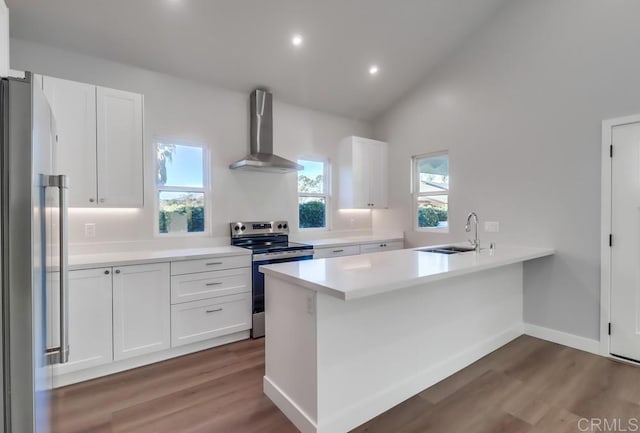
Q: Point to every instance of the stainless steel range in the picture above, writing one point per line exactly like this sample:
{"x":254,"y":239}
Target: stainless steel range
{"x":269,"y":242}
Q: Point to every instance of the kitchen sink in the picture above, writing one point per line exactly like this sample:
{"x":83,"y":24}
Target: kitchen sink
{"x":447,"y":249}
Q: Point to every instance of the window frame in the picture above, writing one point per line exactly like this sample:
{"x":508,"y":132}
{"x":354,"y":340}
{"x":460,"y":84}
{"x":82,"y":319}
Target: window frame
{"x":205,"y":190}
{"x":416,"y":194}
{"x":326,"y":175}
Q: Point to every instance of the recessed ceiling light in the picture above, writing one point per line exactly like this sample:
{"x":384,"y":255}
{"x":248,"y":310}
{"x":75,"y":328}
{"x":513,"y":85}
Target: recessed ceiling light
{"x":296,"y":40}
{"x":373,"y":70}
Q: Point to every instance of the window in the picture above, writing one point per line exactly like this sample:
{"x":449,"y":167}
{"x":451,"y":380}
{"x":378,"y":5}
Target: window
{"x":313,"y":193}
{"x":431,"y":191}
{"x":181,"y":187}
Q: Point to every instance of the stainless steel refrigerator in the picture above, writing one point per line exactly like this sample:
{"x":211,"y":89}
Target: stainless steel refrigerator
{"x":33,"y":256}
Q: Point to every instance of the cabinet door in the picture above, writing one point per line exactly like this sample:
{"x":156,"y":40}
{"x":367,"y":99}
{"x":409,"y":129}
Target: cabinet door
{"x":120,"y":148}
{"x":90,"y":318}
{"x":205,"y":285}
{"x":381,"y":246}
{"x":325,"y":253}
{"x":378,"y":178}
{"x":74,"y":108}
{"x":210,"y":318}
{"x":362,"y":168}
{"x":141,"y":310}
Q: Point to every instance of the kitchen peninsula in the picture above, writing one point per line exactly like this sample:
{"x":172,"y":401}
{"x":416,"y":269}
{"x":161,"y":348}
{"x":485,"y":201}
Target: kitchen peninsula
{"x":350,"y":337}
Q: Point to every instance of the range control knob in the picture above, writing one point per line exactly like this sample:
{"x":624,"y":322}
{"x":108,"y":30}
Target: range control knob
{"x":236,"y":228}
{"x":280,"y":226}
{"x":284,"y":226}
{"x":243,"y":228}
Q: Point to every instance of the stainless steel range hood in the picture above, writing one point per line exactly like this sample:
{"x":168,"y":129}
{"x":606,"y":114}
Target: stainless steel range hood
{"x":261,"y":157}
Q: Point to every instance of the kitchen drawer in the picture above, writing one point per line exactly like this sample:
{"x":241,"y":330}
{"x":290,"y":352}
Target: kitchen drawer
{"x":381,"y":246}
{"x":323,"y":253}
{"x":213,"y":264}
{"x":204,"y":285}
{"x":202,"y":320}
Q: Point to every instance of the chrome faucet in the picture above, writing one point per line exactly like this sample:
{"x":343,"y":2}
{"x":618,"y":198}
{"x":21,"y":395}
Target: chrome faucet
{"x":473,"y":218}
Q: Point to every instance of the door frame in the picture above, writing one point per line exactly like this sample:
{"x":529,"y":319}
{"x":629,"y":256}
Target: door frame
{"x":605,"y":249}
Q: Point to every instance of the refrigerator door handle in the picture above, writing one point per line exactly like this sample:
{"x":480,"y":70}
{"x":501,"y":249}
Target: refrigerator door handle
{"x":61,"y":355}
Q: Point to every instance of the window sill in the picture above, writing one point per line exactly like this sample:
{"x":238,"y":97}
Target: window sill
{"x":183,"y":235}
{"x":439,"y":230}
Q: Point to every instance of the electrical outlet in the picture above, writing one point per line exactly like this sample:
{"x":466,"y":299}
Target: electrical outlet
{"x":90,"y":230}
{"x":491,"y":226}
{"x":311,"y":305}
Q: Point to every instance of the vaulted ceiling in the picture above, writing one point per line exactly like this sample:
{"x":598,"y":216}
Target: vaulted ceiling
{"x":241,"y":44}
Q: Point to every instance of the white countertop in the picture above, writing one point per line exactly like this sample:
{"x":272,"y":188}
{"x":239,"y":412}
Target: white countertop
{"x":139,"y":256}
{"x":85,"y":261}
{"x":351,"y":240}
{"x":354,"y":277}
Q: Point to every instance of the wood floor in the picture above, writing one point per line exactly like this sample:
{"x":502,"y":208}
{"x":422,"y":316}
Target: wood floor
{"x":527,"y":386}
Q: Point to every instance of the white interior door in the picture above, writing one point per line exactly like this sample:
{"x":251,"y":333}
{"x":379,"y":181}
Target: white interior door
{"x":625,"y":251}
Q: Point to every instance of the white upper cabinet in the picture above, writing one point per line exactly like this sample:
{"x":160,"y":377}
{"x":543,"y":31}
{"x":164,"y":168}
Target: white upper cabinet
{"x":363,"y":174}
{"x":100,"y":142}
{"x":74,"y":108}
{"x":119,"y":126}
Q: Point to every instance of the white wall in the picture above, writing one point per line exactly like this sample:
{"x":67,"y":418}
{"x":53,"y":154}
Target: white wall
{"x":177,"y":108}
{"x":519,"y":107}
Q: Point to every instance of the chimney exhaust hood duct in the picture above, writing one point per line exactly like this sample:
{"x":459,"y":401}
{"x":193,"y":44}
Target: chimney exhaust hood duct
{"x":261,"y":157}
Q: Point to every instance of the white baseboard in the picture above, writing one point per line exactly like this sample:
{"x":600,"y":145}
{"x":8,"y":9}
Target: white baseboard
{"x":398,"y":392}
{"x":60,"y":380}
{"x":566,"y":339}
{"x":292,"y":411}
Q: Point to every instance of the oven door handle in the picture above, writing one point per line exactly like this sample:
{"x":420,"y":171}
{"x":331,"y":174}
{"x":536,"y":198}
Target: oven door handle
{"x":282,"y":255}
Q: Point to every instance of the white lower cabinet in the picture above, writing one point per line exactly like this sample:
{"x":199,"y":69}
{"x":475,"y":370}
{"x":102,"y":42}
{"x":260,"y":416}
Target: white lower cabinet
{"x":210,"y":303}
{"x":324,"y":253}
{"x":205,"y":285}
{"x":381,"y":246}
{"x":90,"y":319}
{"x":207,"y":265}
{"x":124,"y":317}
{"x":141,"y":309}
{"x":210,"y":318}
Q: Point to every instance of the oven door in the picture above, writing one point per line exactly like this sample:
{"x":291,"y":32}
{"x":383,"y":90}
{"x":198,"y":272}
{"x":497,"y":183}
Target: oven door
{"x":257,"y":329}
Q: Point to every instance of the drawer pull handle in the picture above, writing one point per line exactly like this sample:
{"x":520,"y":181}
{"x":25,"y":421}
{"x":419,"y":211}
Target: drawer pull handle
{"x":213,"y":284}
{"x":214,"y":263}
{"x":215,"y":310}
{"x":338,"y":251}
